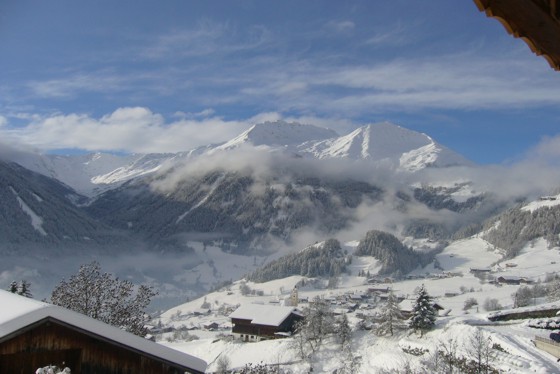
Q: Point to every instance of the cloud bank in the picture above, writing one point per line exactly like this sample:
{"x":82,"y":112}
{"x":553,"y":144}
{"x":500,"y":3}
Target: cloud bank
{"x":502,"y":184}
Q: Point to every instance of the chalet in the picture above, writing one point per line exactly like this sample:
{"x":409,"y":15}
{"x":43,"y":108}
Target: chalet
{"x":34,"y":334}
{"x":407,"y":306}
{"x":480,"y":270}
{"x":254,"y":322}
{"x":385,"y":297}
{"x":212,"y":326}
{"x":511,"y":279}
{"x":356,"y":297}
{"x":379,"y":289}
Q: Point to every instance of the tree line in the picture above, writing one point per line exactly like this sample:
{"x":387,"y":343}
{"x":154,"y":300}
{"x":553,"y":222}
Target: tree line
{"x":324,"y":260}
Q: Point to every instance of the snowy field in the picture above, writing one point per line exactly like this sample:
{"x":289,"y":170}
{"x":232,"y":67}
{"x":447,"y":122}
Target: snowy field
{"x":451,"y":284}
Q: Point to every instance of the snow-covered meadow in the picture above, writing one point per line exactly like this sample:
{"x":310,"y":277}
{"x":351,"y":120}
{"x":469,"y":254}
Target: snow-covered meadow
{"x":451,"y":284}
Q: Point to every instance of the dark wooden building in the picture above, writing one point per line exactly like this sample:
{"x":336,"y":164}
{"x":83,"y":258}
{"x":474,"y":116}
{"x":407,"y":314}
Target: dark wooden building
{"x":254,"y":322}
{"x":35,"y":334}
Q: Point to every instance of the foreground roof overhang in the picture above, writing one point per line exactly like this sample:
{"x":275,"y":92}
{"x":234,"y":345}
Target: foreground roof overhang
{"x":537,"y":22}
{"x":19,"y":314}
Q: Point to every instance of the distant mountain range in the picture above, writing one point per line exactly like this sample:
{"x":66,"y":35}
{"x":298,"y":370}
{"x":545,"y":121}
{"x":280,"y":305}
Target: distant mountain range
{"x":383,"y":144}
{"x":262,"y":190}
{"x":275,"y":188}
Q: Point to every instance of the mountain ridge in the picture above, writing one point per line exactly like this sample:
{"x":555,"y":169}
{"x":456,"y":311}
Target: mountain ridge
{"x":384,"y":144}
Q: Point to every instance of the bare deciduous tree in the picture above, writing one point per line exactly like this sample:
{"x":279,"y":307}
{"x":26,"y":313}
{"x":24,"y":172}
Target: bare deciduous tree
{"x":223,"y":364}
{"x":318,"y":324}
{"x":480,"y":348}
{"x":106,"y":298}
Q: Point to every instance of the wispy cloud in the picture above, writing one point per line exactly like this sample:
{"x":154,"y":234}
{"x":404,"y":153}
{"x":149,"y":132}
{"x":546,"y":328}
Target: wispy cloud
{"x":399,"y":34}
{"x":130,"y":129}
{"x":244,"y":72}
{"x":75,"y":84}
{"x":206,"y":38}
{"x":547,"y":151}
{"x":341,"y":27}
{"x":460,"y":82}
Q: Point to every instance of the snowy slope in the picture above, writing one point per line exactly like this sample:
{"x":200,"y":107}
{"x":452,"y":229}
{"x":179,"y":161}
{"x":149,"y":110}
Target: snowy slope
{"x":383,"y":143}
{"x":278,"y":134}
{"x":90,"y":174}
{"x":388,"y":144}
{"x":543,"y":201}
{"x":513,"y":350}
{"x":136,"y":166}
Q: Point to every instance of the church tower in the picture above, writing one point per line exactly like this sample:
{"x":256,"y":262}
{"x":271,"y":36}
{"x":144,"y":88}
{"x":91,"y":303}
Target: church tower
{"x":294,"y":297}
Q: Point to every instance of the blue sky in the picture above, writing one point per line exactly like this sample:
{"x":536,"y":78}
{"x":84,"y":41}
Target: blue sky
{"x":157,"y":76}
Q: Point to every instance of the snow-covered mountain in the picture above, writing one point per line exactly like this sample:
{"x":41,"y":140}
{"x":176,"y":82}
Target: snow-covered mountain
{"x":278,"y":134}
{"x":383,"y":143}
{"x":91,"y":174}
{"x":379,"y":144}
{"x":194,"y":221}
{"x":275,"y":188}
{"x":387,"y":144}
{"x":40,"y":212}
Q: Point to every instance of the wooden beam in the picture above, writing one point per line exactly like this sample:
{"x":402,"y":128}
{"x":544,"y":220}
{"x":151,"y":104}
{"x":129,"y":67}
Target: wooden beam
{"x":534,"y":21}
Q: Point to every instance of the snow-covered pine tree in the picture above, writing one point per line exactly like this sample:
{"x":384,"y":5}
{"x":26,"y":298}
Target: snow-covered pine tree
{"x":24,"y":289}
{"x":423,"y":313}
{"x":13,"y":287}
{"x":343,"y":331}
{"x":391,"y":316}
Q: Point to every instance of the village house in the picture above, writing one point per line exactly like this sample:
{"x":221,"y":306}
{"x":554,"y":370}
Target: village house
{"x":451,"y":293}
{"x":34,"y":334}
{"x":255,"y":322}
{"x":407,"y":306}
{"x":480,"y":270}
{"x":511,"y":279}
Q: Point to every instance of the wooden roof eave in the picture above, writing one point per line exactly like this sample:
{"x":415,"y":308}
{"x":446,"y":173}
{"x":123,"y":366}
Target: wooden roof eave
{"x":525,"y":19}
{"x":98,"y":337}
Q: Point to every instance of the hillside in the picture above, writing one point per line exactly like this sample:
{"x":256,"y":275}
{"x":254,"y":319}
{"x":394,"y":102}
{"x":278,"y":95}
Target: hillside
{"x":242,"y":209}
{"x":510,"y":346}
{"x":40,"y":212}
{"x":467,"y":296}
{"x":391,"y":253}
{"x":275,"y":189}
{"x":518,"y":226}
{"x":322,"y":260}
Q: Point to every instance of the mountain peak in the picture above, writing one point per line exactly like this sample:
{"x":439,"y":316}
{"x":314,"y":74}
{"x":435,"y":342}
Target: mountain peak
{"x":390,"y":144}
{"x":279,"y":133}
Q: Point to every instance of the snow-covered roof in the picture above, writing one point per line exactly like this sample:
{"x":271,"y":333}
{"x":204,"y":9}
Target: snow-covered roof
{"x":18,"y":312}
{"x":268,"y":315}
{"x":407,"y":304}
{"x":512,"y":277}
